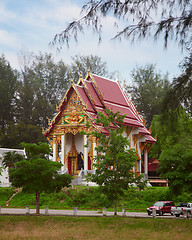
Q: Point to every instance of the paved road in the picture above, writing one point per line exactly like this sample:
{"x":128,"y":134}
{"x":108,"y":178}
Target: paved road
{"x":19,"y":211}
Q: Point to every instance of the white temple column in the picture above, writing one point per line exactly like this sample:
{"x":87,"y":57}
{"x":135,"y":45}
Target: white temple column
{"x":63,"y":151}
{"x":54,"y":149}
{"x":140,"y":168}
{"x":94,"y":152}
{"x":85,"y":154}
{"x":146,"y":162}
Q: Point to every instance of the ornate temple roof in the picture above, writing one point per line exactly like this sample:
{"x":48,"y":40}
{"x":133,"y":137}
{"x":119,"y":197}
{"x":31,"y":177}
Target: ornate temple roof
{"x":98,"y":93}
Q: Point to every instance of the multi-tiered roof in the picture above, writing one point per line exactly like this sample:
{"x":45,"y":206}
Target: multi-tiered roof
{"x":98,"y":93}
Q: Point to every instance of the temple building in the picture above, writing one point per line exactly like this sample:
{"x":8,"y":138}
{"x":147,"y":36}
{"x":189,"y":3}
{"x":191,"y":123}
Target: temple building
{"x":80,"y":105}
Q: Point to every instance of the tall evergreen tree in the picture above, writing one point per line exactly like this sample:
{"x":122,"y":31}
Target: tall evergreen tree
{"x":81,"y":64}
{"x":148,"y":91}
{"x":8,"y":83}
{"x":180,"y":93}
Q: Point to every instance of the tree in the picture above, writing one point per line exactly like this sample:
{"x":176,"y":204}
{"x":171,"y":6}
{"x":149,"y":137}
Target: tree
{"x":173,"y":149}
{"x":176,"y":128}
{"x":81,"y":64}
{"x":50,"y":81}
{"x":42,"y":85}
{"x":180,"y":93}
{"x":175,"y":164}
{"x":115,"y":160}
{"x":10,"y":158}
{"x":140,"y":19}
{"x":148,"y":91}
{"x":37,"y":174}
{"x":8,"y":82}
{"x":16,"y":133}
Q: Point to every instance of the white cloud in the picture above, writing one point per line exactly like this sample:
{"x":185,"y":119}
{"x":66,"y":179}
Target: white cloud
{"x":9,"y":40}
{"x":5,"y":14}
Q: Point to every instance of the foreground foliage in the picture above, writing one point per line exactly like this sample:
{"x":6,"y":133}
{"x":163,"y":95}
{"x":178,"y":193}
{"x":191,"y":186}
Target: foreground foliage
{"x":133,"y":20}
{"x":26,"y":227}
{"x":37,"y":174}
{"x":115,"y":161}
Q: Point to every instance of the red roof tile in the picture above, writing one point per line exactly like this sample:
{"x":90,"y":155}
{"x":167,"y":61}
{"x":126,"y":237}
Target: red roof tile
{"x":122,"y":109}
{"x":93,"y":93}
{"x":144,"y":131}
{"x":85,"y":98}
{"x":110,"y":90}
{"x":150,"y":139}
{"x":132,"y":122}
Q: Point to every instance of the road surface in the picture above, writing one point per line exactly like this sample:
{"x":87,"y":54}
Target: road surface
{"x":20,"y":211}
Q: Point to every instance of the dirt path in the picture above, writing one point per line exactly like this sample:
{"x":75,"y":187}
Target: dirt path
{"x":17,"y":191}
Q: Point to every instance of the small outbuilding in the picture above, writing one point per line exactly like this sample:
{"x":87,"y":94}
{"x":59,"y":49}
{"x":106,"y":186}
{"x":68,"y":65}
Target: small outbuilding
{"x":4,"y":176}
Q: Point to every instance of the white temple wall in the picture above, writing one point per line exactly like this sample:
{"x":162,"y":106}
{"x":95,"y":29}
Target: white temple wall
{"x":68,"y":142}
{"x":79,"y":142}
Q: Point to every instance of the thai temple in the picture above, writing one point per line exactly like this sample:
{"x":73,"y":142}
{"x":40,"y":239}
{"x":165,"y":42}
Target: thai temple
{"x":80,"y":105}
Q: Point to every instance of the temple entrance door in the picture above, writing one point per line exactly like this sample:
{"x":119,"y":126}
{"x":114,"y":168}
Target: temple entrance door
{"x":72,"y":158}
{"x":72,"y":165}
{"x":89,"y":163}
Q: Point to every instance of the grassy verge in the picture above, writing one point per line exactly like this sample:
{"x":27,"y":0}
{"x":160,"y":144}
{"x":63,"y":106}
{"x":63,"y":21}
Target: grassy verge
{"x":5,"y":194}
{"x":92,"y":198}
{"x":32,"y":227}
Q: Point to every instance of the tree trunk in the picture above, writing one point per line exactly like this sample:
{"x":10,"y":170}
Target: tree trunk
{"x":115,"y":207}
{"x":37,"y":202}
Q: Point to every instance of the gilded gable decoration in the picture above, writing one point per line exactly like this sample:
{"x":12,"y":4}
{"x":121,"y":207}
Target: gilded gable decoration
{"x":74,"y":102}
{"x":74,"y":117}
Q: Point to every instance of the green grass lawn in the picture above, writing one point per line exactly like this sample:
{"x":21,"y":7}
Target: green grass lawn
{"x":50,"y":227}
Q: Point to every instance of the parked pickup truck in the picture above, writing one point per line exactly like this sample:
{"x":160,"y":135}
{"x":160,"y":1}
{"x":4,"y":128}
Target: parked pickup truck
{"x":181,"y":208}
{"x":161,"y":207}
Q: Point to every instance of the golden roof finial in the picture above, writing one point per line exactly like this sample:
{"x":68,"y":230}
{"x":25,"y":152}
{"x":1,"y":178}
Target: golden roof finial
{"x":57,"y":108}
{"x":89,"y":72}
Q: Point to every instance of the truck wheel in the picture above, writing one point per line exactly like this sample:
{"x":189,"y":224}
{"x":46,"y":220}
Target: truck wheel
{"x":149,"y":213}
{"x":177,"y":215}
{"x":160,"y":213}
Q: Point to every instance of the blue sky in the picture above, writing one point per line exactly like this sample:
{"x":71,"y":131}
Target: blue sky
{"x":32,"y":24}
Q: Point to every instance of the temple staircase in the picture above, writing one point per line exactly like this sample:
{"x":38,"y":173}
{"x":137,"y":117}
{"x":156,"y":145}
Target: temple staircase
{"x":81,"y":180}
